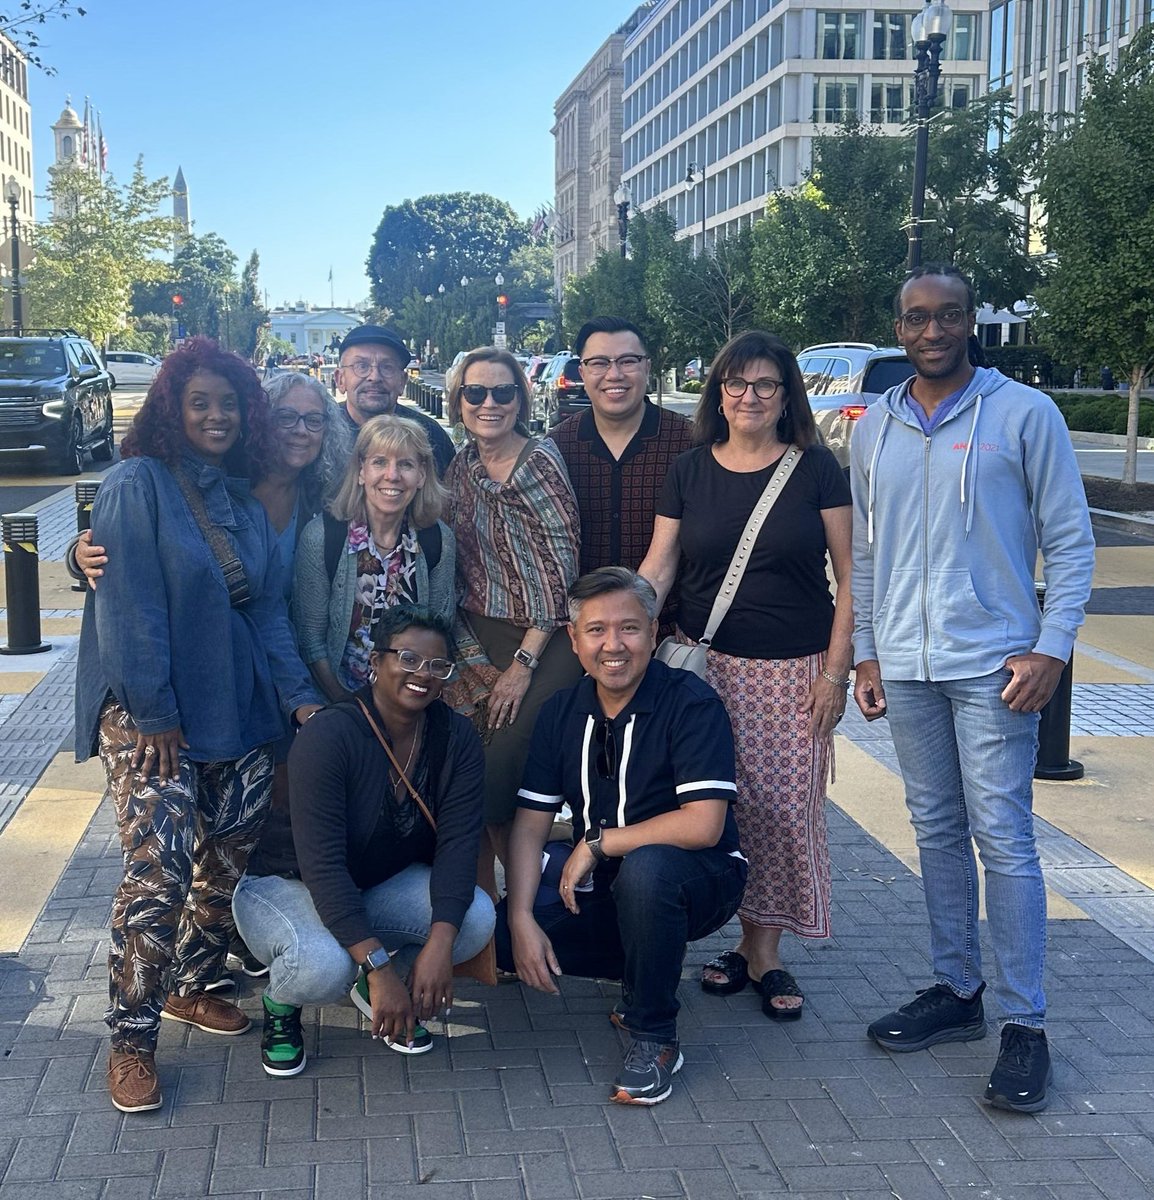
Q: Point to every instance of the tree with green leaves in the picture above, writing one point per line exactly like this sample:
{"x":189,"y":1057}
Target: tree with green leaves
{"x":251,"y":315}
{"x":104,"y":237}
{"x":715,"y":297}
{"x":204,"y":275}
{"x":1096,"y":182}
{"x":433,"y":240}
{"x":21,"y":26}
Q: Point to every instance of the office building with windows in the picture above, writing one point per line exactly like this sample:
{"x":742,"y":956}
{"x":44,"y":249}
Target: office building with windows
{"x":731,"y":93}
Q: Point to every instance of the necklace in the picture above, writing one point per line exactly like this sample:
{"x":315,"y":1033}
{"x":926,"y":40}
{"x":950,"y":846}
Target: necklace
{"x":399,"y":778}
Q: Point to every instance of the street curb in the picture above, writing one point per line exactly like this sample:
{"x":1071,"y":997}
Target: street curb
{"x":1109,"y":439}
{"x":1122,"y":522}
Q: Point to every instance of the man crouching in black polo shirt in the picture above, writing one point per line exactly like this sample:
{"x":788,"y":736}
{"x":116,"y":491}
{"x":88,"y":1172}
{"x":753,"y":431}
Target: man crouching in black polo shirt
{"x":643,"y":755}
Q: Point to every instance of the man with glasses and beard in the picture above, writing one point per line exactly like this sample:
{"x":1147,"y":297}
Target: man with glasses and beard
{"x":371,"y":374}
{"x":961,"y":478}
{"x":643,"y":755}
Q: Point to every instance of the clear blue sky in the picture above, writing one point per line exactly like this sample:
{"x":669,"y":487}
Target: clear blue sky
{"x":298,"y":123}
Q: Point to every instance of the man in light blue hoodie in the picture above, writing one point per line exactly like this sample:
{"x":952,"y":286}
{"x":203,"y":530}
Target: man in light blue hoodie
{"x":960,"y":477}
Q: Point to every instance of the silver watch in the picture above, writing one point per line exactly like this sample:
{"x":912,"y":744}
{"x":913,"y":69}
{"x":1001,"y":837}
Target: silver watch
{"x":375,"y":960}
{"x":526,"y":659}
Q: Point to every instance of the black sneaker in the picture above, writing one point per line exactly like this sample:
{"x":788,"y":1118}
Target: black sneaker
{"x":225,"y":983}
{"x":282,"y":1045}
{"x":935,"y":1015}
{"x":646,"y":1077}
{"x":1023,"y":1072}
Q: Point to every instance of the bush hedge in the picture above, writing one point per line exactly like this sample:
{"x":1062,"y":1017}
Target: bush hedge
{"x":1091,"y":413}
{"x":693,"y":387}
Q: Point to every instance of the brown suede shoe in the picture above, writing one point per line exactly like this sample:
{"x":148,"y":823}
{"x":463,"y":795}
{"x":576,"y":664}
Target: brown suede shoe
{"x":132,"y":1082}
{"x":210,"y":1013}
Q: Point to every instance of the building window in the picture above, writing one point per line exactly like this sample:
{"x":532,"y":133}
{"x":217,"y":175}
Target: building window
{"x":892,"y":35}
{"x":834,"y":100}
{"x":1064,"y":31}
{"x":965,"y":36}
{"x":890,"y":101}
{"x":840,"y":34}
{"x":1027,"y":36}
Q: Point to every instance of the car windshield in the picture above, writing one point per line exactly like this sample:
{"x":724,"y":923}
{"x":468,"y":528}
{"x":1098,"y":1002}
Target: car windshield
{"x":572,"y":370}
{"x":885,"y":373}
{"x":30,"y":360}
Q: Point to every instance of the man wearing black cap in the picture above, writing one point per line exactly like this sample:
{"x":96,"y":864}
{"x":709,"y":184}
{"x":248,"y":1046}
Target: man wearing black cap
{"x":371,"y":373}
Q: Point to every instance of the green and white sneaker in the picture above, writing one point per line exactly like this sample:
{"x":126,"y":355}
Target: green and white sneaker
{"x":422,"y":1041}
{"x":282,"y":1045}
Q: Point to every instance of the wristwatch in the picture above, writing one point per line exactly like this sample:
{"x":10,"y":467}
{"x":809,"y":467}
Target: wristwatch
{"x":593,"y":841}
{"x":526,"y":659}
{"x":375,"y":960}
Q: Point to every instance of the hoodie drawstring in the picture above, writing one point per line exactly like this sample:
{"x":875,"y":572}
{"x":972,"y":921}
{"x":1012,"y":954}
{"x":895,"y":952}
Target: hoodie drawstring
{"x":872,"y":474}
{"x":966,"y":462}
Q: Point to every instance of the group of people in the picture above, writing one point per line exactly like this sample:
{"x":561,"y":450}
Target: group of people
{"x":342,"y":678}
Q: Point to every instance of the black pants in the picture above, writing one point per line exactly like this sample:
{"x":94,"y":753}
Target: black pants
{"x":635,"y":925}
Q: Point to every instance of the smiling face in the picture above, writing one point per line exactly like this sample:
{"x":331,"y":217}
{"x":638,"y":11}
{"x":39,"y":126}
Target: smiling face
{"x":407,"y":692}
{"x":749,"y":414}
{"x":490,"y":421}
{"x":935,"y":351}
{"x":391,"y":476}
{"x":297,"y":447}
{"x":615,"y":394}
{"x":210,"y":416}
{"x":614,"y":639}
{"x":377,"y":392}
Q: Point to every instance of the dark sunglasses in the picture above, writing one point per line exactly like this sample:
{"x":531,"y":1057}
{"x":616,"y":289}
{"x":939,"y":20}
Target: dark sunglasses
{"x":606,"y":750}
{"x":475,"y":393}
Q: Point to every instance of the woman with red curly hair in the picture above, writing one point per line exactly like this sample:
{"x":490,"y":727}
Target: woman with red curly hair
{"x":186,"y":663}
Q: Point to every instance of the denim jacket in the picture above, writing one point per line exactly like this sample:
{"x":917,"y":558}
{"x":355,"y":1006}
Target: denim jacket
{"x":159,"y":632}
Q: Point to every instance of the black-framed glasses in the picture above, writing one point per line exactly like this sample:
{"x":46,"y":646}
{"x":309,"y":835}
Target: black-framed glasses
{"x":599,"y":364}
{"x":606,"y":749}
{"x":362,"y":368}
{"x":289,"y":418}
{"x":947,"y":318}
{"x":411,"y":661}
{"x":763,"y":389}
{"x":475,"y":393}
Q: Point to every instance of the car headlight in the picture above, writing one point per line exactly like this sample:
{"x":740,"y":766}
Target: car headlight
{"x":54,"y":406}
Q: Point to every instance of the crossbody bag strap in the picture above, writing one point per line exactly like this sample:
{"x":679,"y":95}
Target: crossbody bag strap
{"x":396,"y":765}
{"x":740,"y":559}
{"x":234,"y":577}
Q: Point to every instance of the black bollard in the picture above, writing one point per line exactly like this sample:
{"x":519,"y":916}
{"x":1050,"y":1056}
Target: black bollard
{"x":22,"y":581}
{"x":1054,"y":761}
{"x":439,"y":403}
{"x":85,"y":495}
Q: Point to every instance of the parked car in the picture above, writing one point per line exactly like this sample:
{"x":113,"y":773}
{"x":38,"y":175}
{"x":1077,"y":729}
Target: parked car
{"x":535,"y":368}
{"x":842,"y":379}
{"x":55,"y":395}
{"x":130,"y":367}
{"x":561,"y":390}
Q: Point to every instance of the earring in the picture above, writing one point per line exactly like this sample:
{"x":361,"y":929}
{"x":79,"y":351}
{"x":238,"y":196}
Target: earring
{"x":721,"y":409}
{"x":372,"y":677}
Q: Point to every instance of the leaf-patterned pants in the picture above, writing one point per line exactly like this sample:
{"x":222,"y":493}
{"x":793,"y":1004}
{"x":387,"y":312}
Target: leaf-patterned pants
{"x":185,"y":845}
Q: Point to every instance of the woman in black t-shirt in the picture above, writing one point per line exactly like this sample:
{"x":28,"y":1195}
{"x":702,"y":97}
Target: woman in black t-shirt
{"x":780,"y":657}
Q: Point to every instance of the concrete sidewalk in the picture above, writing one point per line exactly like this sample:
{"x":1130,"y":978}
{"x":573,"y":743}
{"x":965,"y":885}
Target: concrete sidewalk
{"x":511,"y":1102}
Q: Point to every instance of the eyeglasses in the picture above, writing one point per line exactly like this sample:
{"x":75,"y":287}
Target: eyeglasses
{"x":763,"y":389}
{"x":627,"y":362}
{"x":411,"y":661}
{"x":475,"y":393}
{"x":362,"y":368}
{"x":947,"y":318}
{"x":606,"y":750}
{"x":288,"y":418}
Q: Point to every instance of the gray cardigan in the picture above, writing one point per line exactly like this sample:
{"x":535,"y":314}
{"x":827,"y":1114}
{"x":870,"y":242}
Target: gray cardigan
{"x":322,"y":609}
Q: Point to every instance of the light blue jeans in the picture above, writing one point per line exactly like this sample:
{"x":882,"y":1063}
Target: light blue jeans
{"x":967,"y":762}
{"x":307,"y":965}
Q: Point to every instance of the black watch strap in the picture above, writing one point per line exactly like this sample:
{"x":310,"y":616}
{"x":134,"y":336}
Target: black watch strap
{"x":593,"y":841}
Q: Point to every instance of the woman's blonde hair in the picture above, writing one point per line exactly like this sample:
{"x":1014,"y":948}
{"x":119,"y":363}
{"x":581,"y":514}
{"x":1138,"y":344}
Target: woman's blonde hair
{"x":391,"y":434}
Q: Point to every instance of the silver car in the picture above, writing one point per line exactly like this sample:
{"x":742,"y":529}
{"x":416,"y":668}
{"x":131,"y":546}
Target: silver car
{"x":842,"y":380}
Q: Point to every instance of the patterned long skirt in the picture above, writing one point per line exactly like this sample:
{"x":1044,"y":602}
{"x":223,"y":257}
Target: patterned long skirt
{"x":781,"y":784}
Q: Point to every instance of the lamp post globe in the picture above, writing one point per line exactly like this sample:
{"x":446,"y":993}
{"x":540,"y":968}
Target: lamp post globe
{"x":12,"y":193}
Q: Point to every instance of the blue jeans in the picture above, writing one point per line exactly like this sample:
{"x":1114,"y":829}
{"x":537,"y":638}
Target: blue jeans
{"x":307,"y":965}
{"x":968,"y":764}
{"x":635,"y":926}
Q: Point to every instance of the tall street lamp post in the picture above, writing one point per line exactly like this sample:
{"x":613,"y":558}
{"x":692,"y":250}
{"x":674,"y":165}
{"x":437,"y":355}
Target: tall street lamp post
{"x":690,"y":182}
{"x":930,"y":29}
{"x":502,"y":303}
{"x":12,"y":193}
{"x":623,"y":198}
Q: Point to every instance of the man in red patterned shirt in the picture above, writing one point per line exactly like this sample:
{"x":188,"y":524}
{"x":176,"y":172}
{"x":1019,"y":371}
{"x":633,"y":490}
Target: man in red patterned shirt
{"x":618,"y":452}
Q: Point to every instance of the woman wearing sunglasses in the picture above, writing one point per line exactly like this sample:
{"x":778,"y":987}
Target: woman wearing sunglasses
{"x":515,"y":518}
{"x":380,"y":544}
{"x":372,"y":893}
{"x":780,"y":657}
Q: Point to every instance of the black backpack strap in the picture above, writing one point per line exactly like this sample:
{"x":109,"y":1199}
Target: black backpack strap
{"x":336,"y":534}
{"x":430,"y":543}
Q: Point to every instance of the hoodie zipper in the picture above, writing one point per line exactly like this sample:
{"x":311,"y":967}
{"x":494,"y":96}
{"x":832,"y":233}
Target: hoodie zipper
{"x":926,"y":558}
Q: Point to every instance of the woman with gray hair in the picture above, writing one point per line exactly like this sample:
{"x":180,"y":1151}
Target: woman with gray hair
{"x":379,"y":544}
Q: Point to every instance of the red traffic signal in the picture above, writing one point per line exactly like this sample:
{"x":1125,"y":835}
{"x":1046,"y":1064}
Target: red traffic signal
{"x":502,"y":300}
{"x":178,"y":299}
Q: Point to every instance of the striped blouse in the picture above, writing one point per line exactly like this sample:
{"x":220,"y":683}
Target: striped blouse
{"x":517,"y":542}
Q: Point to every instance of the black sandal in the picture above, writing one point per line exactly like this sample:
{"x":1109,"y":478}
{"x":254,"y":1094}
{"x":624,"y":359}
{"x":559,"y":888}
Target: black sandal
{"x":779,"y":983}
{"x":735,"y":969}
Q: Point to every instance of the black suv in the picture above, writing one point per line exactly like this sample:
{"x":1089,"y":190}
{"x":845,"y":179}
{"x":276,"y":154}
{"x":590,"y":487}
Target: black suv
{"x":55,"y":395}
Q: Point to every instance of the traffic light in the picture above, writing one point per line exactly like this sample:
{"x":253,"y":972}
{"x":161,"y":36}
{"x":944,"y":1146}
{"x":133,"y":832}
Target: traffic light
{"x":178,"y":299}
{"x":502,"y":301}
